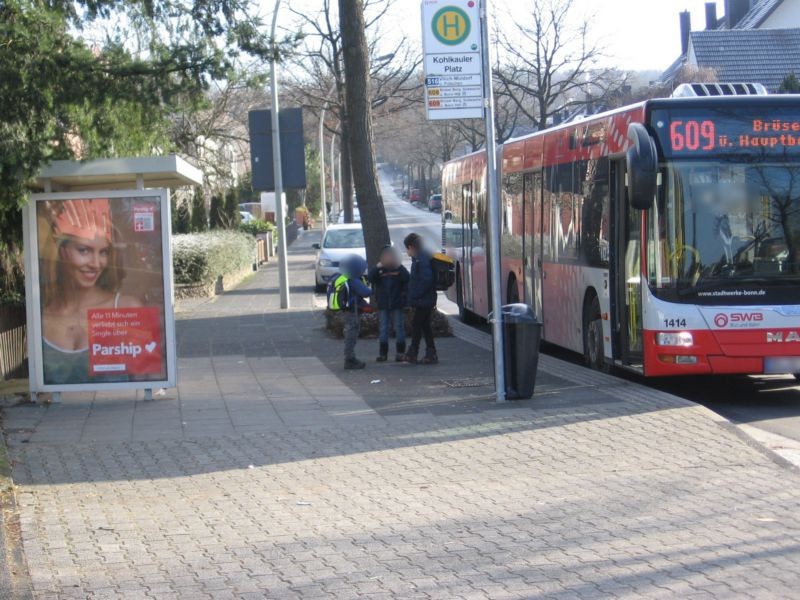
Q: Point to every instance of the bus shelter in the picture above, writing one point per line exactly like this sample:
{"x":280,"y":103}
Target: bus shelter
{"x":98,"y":261}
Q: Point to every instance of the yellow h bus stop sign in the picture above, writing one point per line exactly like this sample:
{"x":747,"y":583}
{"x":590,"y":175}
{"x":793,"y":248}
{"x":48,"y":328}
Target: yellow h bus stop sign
{"x":451,"y":25}
{"x":451,"y":38}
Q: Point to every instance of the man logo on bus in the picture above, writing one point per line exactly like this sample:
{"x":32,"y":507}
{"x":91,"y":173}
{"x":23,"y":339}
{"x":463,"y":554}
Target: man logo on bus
{"x":451,"y":25}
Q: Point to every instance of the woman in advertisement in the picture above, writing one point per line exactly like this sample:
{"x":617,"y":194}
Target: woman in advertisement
{"x":80,"y":269}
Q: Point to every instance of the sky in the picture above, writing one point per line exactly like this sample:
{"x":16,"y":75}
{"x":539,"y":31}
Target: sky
{"x":637,"y":34}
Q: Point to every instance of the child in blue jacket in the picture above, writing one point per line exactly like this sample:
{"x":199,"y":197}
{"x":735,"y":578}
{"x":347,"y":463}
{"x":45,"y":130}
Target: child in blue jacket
{"x":351,"y":279}
{"x":422,"y":298}
{"x":389,"y":279}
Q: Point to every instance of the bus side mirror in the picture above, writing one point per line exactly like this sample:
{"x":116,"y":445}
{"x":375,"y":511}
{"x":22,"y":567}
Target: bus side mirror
{"x":642,"y":163}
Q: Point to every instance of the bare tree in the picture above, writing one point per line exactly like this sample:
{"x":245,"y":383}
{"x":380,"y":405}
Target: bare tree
{"x":355,"y":52}
{"x":686,"y":74}
{"x":215,"y":137}
{"x":319,"y":69}
{"x":507,"y":116}
{"x":551,"y":64}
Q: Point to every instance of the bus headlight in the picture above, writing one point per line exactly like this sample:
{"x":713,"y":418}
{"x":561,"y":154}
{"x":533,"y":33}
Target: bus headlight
{"x":679,"y":338}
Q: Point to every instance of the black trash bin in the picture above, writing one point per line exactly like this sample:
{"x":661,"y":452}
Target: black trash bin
{"x":521,"y":334}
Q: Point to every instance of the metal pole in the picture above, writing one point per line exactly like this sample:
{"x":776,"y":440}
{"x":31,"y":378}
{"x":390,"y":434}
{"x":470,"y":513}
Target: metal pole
{"x":333,"y":175}
{"x":322,"y":194}
{"x":494,"y":209}
{"x":341,"y":189}
{"x":283,"y":270}
{"x":322,"y":160}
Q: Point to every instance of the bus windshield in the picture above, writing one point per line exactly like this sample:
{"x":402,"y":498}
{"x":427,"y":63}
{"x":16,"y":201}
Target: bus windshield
{"x":725,"y":232}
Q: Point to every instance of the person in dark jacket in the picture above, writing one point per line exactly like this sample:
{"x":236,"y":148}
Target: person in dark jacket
{"x":422,"y":298}
{"x":389,"y":279}
{"x":353,"y":268}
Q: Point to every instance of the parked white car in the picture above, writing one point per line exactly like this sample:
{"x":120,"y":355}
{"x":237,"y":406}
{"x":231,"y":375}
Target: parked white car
{"x":356,"y":217}
{"x":339,"y":242}
{"x":246,"y":216}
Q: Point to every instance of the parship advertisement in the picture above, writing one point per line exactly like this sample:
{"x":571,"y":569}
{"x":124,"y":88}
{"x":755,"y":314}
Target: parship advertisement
{"x":102,"y":303}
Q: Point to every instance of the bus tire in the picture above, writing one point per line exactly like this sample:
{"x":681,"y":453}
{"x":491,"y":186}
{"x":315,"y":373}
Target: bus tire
{"x":593,"y":347}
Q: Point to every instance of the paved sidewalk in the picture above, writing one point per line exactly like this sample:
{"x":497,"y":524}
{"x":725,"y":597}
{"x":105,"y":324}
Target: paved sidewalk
{"x":271,"y":473}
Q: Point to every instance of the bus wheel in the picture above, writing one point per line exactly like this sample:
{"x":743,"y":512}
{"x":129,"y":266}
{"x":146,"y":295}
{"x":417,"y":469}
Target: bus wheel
{"x":593,"y":351}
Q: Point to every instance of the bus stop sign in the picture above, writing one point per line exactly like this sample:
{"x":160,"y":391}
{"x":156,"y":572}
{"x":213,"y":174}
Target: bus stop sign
{"x":451,"y":38}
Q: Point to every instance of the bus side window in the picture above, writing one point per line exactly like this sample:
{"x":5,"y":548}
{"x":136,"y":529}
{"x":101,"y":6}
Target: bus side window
{"x":596,"y":213}
{"x":567,"y":224}
{"x":550,"y":216}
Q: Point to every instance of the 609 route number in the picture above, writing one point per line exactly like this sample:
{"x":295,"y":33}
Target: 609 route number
{"x":674,"y":322}
{"x":692,"y":135}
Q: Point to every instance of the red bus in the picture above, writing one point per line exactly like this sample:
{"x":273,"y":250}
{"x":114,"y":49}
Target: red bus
{"x":662,"y":237}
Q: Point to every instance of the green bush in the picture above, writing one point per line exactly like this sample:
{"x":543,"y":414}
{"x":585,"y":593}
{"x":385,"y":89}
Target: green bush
{"x":183,"y":218}
{"x":203,"y":257}
{"x":231,"y":208}
{"x":257,"y":226}
{"x":217,"y":213}
{"x":199,"y":221}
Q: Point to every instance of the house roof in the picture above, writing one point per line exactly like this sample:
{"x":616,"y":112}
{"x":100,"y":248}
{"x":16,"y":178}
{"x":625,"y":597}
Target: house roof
{"x":763,"y":56}
{"x":759,"y":13}
{"x":672,"y":70}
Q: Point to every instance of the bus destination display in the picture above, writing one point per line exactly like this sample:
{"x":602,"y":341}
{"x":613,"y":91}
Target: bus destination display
{"x":701,"y":132}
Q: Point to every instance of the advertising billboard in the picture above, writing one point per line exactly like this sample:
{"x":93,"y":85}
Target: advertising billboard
{"x":99,"y":290}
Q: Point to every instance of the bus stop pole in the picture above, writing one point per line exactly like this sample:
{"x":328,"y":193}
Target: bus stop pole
{"x":494,"y":208}
{"x":283,"y":269}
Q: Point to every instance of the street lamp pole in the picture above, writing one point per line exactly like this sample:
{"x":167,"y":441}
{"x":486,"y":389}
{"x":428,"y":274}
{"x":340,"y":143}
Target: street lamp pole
{"x":336,"y":167}
{"x":283,"y":270}
{"x":322,"y":158}
{"x":322,"y":188}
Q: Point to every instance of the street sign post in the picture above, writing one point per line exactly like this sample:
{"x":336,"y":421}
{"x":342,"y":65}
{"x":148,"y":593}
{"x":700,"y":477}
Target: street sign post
{"x":458,"y":85}
{"x":451,"y":38}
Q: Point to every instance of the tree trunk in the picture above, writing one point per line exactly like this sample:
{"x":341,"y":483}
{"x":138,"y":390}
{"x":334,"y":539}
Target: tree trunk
{"x":345,"y":170}
{"x":423,"y":189}
{"x":359,"y":121}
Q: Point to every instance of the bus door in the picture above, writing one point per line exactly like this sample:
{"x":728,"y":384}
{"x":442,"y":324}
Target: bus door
{"x":532,"y":241}
{"x":626,"y":271}
{"x":467,"y":236}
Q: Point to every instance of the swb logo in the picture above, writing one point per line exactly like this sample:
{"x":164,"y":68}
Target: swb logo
{"x":737,"y":319}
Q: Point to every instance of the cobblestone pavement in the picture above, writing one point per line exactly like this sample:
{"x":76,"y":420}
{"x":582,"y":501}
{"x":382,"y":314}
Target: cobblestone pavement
{"x":271,"y":473}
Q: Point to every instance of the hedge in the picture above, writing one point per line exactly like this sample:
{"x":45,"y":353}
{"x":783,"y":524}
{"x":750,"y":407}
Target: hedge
{"x":204,"y":257}
{"x":256,"y":226}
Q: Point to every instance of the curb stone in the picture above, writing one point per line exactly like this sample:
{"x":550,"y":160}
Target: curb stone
{"x":14,"y":575}
{"x":781,"y":450}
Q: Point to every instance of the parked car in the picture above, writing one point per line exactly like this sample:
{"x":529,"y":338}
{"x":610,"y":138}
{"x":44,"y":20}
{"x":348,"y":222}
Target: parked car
{"x":246,"y":216}
{"x":415,"y":196}
{"x":356,"y":217}
{"x":435,"y":203}
{"x":339,"y":241}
